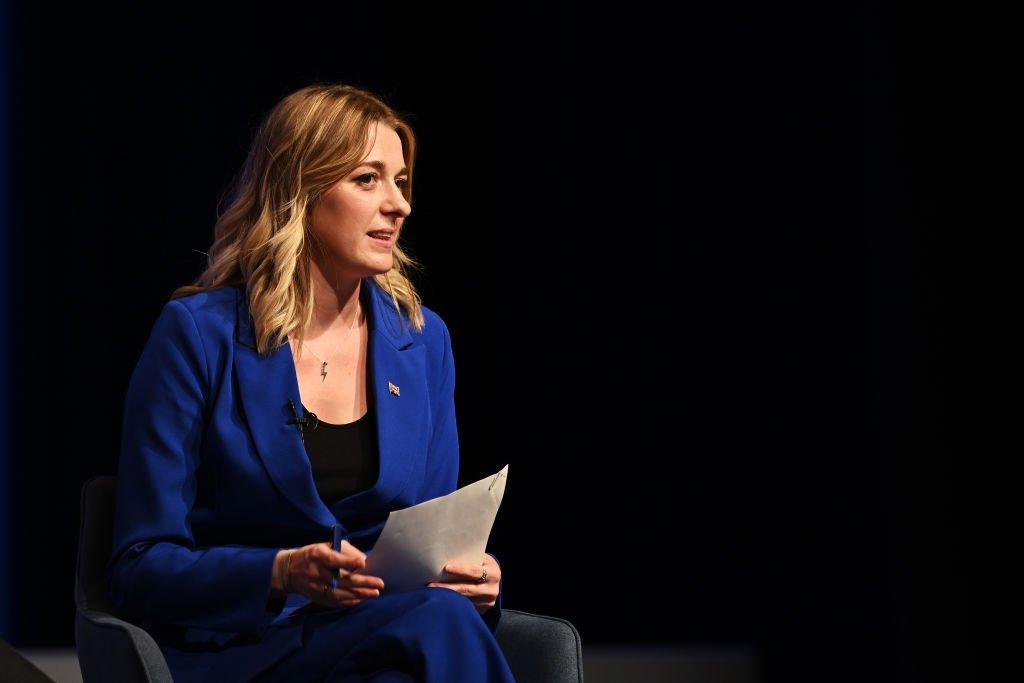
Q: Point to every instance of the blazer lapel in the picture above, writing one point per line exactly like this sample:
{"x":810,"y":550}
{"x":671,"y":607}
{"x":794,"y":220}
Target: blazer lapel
{"x":266,"y":383}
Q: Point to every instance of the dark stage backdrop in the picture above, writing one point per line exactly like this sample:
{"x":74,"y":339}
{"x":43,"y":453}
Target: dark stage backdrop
{"x":691,"y":268}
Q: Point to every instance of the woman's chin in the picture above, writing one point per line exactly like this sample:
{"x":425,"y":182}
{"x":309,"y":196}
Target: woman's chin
{"x":384,"y":265}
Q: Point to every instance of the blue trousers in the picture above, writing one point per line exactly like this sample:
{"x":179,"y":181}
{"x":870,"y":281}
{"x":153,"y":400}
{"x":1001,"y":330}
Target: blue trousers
{"x":430,"y":634}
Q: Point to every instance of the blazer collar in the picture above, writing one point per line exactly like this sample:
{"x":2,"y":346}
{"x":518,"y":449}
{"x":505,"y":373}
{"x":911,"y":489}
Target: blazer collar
{"x":267,"y":383}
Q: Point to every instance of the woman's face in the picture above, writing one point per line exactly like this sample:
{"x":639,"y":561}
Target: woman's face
{"x":367,"y":199}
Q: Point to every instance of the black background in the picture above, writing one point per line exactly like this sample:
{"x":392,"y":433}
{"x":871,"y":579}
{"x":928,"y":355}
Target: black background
{"x":695,"y":269}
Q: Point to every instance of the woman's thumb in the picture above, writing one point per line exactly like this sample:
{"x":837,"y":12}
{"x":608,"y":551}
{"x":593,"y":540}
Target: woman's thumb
{"x":359,"y":554}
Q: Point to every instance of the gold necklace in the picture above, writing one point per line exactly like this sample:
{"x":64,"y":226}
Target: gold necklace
{"x":323,"y":363}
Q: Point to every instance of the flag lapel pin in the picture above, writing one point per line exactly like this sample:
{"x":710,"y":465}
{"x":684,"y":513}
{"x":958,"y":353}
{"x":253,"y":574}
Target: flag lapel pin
{"x":393,"y":388}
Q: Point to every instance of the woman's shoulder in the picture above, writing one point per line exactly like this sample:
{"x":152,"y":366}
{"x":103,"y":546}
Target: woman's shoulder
{"x":437,"y":341}
{"x":211,"y":308}
{"x":435,"y":330}
{"x":217,"y":297}
{"x":222,"y":297}
{"x":397,"y":319}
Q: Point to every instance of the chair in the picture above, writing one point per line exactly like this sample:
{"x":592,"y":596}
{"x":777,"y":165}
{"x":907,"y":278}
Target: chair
{"x":537,"y":647}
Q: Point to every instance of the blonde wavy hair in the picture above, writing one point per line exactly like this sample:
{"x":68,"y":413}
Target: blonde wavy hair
{"x":305,"y":144}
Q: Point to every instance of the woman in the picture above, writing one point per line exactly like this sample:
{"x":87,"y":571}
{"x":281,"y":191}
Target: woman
{"x":292,"y":397}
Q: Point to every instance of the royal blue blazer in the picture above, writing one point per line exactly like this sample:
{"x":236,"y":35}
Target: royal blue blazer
{"x":213,"y":480}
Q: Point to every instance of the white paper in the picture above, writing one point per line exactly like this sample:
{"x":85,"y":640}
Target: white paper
{"x":418,"y":541}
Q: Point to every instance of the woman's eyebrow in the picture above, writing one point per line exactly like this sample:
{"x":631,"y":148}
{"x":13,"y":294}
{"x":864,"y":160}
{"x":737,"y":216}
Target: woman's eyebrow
{"x":379,"y":165}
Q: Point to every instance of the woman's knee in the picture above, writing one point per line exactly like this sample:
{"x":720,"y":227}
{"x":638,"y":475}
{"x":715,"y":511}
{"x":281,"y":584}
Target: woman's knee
{"x":448,"y":600}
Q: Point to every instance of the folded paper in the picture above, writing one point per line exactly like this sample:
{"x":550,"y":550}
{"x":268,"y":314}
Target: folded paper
{"x":418,"y":541}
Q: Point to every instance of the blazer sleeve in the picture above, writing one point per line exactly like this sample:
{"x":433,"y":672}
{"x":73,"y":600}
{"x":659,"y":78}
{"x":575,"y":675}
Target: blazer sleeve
{"x":442,"y":475}
{"x":156,"y":572}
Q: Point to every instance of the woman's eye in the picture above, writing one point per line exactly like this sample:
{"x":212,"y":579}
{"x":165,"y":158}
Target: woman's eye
{"x":366,"y":177}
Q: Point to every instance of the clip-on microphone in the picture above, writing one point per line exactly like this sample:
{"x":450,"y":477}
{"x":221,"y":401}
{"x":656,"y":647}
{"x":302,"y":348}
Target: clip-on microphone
{"x":311,"y":421}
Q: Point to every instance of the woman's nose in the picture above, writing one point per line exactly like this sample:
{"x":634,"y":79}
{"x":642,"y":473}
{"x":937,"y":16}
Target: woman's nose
{"x":396,"y":201}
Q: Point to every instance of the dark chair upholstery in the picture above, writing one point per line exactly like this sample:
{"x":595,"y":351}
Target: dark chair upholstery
{"x":537,"y":647}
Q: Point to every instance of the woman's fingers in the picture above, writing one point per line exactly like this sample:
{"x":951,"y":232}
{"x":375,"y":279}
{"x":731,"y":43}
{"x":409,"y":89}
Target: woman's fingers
{"x":322,"y":593}
{"x":349,"y":558}
{"x":361,"y":592}
{"x":351,"y":584}
{"x":362,"y":580}
{"x":342,"y":596}
{"x":348,"y":578}
{"x":356,"y":558}
{"x":320,"y":564}
{"x":347,"y":548}
{"x":345,"y":591}
{"x":356,"y":584}
{"x":357,"y":562}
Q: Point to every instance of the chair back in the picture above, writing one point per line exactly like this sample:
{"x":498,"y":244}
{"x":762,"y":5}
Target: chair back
{"x":95,"y":537}
{"x":109,"y":647}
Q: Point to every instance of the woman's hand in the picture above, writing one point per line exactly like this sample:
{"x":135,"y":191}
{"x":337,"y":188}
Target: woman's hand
{"x":311,"y":568}
{"x":483,"y":595}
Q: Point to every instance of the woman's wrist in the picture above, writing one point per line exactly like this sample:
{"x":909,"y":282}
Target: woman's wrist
{"x":282,"y":569}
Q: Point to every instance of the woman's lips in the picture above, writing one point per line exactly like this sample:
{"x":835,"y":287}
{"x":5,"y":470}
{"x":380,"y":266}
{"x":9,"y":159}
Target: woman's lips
{"x":383,"y":243}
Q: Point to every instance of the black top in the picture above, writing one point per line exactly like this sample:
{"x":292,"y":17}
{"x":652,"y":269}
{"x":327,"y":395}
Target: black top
{"x":344,"y":456}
